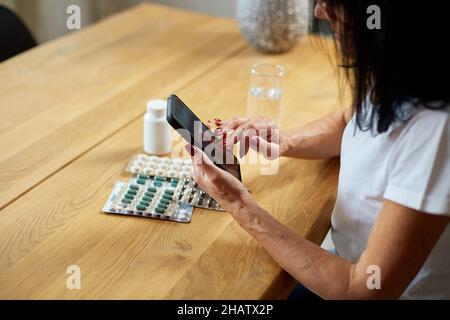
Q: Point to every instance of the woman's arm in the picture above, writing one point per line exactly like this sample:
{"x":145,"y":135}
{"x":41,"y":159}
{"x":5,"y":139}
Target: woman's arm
{"x":399,"y":244}
{"x":320,"y":139}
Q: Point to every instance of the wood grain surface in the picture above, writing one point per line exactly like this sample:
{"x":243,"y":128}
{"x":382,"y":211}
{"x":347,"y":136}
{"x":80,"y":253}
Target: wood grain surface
{"x":72,"y":113}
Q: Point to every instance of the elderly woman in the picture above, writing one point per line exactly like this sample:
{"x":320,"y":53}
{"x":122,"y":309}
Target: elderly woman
{"x":393,"y":206}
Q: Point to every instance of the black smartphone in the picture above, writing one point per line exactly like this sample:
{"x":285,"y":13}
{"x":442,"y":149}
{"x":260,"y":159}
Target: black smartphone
{"x":195,"y":132}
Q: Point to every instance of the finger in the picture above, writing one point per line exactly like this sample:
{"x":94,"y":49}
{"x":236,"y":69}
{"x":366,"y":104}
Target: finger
{"x":233,"y":123}
{"x":209,"y":125}
{"x":244,"y":146}
{"x":269,"y":150}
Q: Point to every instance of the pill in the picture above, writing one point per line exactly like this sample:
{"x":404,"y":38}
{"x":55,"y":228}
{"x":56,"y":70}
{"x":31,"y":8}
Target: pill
{"x":175,"y":167}
{"x":165,"y":160}
{"x":184,"y":174}
{"x":172,"y":174}
{"x":186,"y":168}
{"x":141,"y":208}
{"x":165,"y":201}
{"x":129,"y":196}
{"x":133,"y":192}
{"x":178,"y":162}
{"x":141,"y":181}
{"x":168,"y":191}
{"x":152,"y":189}
{"x":139,"y":163}
{"x":163,"y":166}
{"x":135,"y":169}
{"x":154,"y":159}
{"x":149,"y":195}
{"x":148,"y":171}
{"x":142,"y":157}
{"x":134,"y":187}
{"x":126,"y":201}
{"x":159,"y":210}
{"x":158,"y":178}
{"x":187,"y":162}
{"x":143,"y":177}
{"x":157,"y":183}
{"x":144,"y":203}
{"x":167,"y":196}
{"x":160,"y":172}
{"x":175,"y":180}
{"x":148,"y":199}
{"x":162,"y":206}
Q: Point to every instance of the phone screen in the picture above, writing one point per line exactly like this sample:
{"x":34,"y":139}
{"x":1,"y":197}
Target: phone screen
{"x":195,"y":132}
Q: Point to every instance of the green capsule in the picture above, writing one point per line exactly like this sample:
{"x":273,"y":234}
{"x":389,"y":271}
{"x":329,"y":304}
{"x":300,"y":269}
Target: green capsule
{"x":159,"y":210}
{"x":168,"y":191}
{"x":144,"y":203}
{"x":129,"y":196}
{"x":157,"y":183}
{"x":167,"y":196}
{"x":143,"y":177}
{"x":175,"y":180}
{"x":132,"y":192}
{"x":162,"y":206}
{"x":134,"y":187}
{"x":141,"y":207}
{"x":126,"y":201}
{"x":149,"y":194}
{"x":141,"y":181}
{"x":165,"y":201}
{"x":148,"y":199}
{"x":157,"y":178}
{"x":152,"y":189}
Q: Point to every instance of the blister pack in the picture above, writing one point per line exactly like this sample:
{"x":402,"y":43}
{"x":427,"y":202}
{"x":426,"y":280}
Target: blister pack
{"x":148,"y":202}
{"x":161,"y":188}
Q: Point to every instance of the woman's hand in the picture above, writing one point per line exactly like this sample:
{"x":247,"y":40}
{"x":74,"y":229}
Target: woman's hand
{"x":260,"y":133}
{"x":228,"y":191}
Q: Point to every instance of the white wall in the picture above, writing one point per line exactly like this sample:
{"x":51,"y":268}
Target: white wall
{"x":225,"y":8}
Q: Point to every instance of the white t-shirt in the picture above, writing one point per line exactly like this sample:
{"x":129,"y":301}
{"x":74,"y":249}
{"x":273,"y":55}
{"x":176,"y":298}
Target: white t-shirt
{"x":409,"y":165}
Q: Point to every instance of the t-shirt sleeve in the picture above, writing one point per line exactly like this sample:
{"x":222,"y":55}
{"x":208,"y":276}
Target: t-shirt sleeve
{"x":419,"y":167}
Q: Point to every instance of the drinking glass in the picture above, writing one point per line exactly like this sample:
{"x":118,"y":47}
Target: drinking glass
{"x":265,"y":96}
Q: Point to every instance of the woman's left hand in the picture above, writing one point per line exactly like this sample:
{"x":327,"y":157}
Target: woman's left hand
{"x":228,"y":191}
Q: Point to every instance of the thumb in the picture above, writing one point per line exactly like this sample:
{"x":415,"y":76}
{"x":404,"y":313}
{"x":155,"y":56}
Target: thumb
{"x":269,"y":150}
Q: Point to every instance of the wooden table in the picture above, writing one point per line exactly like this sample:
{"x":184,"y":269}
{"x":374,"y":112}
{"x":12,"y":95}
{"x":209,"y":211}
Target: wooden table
{"x":71,"y":115}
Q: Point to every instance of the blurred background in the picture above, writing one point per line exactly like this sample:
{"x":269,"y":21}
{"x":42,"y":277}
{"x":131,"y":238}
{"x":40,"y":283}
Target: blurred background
{"x":46,"y":19}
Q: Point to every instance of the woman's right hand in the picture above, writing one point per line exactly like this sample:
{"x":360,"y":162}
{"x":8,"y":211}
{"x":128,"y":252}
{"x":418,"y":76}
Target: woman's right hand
{"x":260,"y":134}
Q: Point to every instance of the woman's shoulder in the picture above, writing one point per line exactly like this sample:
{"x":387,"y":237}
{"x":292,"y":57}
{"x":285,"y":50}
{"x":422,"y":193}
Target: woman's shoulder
{"x":424,"y":120}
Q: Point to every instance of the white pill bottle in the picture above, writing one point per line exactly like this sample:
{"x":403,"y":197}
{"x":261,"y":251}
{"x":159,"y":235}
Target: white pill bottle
{"x":157,"y":131}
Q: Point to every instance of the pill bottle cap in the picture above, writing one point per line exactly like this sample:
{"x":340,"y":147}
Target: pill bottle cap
{"x":157,"y":108}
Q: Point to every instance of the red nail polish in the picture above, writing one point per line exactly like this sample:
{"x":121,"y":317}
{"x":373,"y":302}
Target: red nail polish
{"x":190,"y":148}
